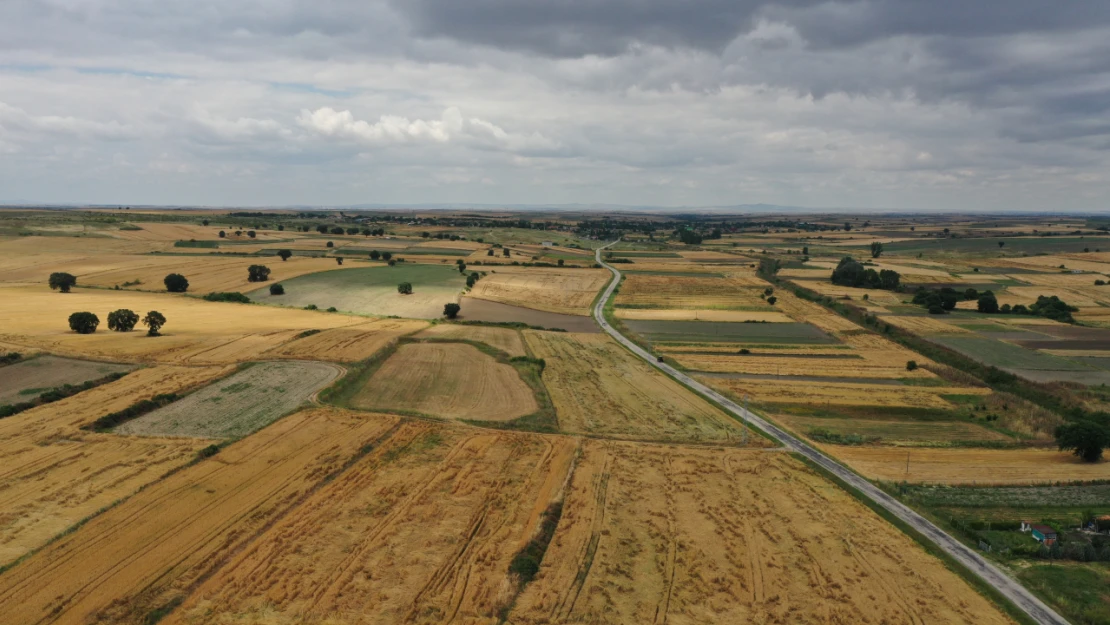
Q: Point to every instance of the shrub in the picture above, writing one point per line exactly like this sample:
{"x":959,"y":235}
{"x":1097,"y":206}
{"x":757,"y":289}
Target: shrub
{"x":208,"y":451}
{"x":61,"y":281}
{"x":332,"y":309}
{"x":771,"y":300}
{"x":911,"y":365}
{"x":330,"y":244}
{"x":375,"y":254}
{"x":232,"y":296}
{"x":154,"y":321}
{"x":405,"y":288}
{"x":277,"y":289}
{"x":258,"y":273}
{"x":451,"y":310}
{"x":285,"y":254}
{"x":83,"y":322}
{"x":311,"y":307}
{"x":122,"y":320}
{"x":176,"y":283}
{"x":339,"y":260}
{"x":223,"y":234}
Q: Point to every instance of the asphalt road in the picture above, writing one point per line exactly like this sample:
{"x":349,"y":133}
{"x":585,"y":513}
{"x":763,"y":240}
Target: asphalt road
{"x":976,"y":563}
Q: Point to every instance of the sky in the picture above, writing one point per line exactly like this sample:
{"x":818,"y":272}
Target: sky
{"x":872,"y":104}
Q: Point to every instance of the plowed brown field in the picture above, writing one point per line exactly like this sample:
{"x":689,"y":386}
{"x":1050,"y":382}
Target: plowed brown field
{"x":731,"y":536}
{"x":422,"y":530}
{"x":569,"y":292}
{"x":505,"y":339}
{"x":452,"y":380}
{"x":599,"y":388}
{"x":969,"y":466}
{"x":54,"y":474}
{"x":150,"y":550}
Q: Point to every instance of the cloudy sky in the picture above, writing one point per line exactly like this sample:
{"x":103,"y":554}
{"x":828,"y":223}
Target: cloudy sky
{"x":946,"y":104}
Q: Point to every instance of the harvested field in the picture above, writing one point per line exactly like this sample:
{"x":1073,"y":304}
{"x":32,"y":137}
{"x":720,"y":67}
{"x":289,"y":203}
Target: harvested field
{"x":25,"y":380}
{"x":599,"y":388}
{"x":55,"y":474}
{"x":452,"y":380}
{"x":891,"y":432}
{"x":372,"y":290}
{"x":238,"y":405}
{"x":715,"y":331}
{"x":923,"y":325}
{"x":507,"y":340}
{"x":348,"y":344}
{"x":149,"y":551}
{"x":655,"y":291}
{"x":196,"y":332}
{"x":493,"y":312}
{"x":806,"y":311}
{"x":157,"y":231}
{"x":731,"y":536}
{"x":840,"y":393}
{"x":568,"y":292}
{"x":969,"y":466}
{"x":421,"y":530}
{"x":792,"y":365}
{"x":701,"y":315}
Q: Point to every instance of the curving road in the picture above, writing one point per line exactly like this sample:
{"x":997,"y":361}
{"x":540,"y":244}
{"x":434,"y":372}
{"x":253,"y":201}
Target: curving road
{"x":991,"y":574}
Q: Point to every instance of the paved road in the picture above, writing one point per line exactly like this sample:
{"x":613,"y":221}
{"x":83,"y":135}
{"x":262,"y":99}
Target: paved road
{"x":1014,"y":591}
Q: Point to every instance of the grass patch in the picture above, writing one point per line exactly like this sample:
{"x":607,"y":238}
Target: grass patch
{"x":1080,"y":592}
{"x":57,"y":393}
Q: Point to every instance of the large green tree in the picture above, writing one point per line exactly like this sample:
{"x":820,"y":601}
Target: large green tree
{"x":122,"y":320}
{"x":61,"y":281}
{"x":83,"y":322}
{"x":451,"y":310}
{"x":258,"y":273}
{"x":1085,"y":439}
{"x":154,"y":321}
{"x":176,"y":283}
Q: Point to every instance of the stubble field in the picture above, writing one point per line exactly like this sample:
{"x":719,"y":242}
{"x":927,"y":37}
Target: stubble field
{"x":569,"y":291}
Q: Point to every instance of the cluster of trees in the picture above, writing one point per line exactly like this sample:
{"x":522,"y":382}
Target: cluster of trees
{"x":375,"y":255}
{"x":1049,"y":307}
{"x":258,"y":273}
{"x":850,"y":272}
{"x":940,"y":301}
{"x":472,"y":279}
{"x":122,"y":320}
{"x":451,"y":310}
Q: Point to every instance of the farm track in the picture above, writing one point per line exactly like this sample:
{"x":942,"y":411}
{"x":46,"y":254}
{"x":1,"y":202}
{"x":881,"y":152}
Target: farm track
{"x":992,"y":575}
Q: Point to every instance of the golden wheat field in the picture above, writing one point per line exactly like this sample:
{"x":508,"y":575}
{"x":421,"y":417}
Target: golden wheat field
{"x":196,"y":332}
{"x":347,"y":344}
{"x":730,"y":536}
{"x":672,"y":314}
{"x":599,"y":388}
{"x":54,"y":474}
{"x":869,"y":364}
{"x":686,"y":292}
{"x":421,"y":530}
{"x":148,"y":551}
{"x":969,"y":466}
{"x":840,"y":393}
{"x":451,"y":380}
{"x":507,"y":340}
{"x":568,"y":291}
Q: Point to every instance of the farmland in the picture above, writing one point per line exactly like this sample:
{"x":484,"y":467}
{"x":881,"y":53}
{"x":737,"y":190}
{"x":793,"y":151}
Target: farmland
{"x":568,"y":292}
{"x":451,"y":380}
{"x":372,"y":290}
{"x":598,"y":388}
{"x":733,"y":537}
{"x":507,"y":340}
{"x":237,"y":405}
{"x":970,"y":466}
{"x":27,"y":378}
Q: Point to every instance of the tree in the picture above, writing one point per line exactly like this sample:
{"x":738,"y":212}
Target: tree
{"x":352,"y":231}
{"x":425,"y":235}
{"x":83,"y":322}
{"x":988,"y":303}
{"x":405,"y":288}
{"x":805,"y":250}
{"x":375,"y":254}
{"x":258,"y":273}
{"x":387,"y":255}
{"x":285,"y":254}
{"x":339,"y":260}
{"x":911,"y":365}
{"x":771,"y":300}
{"x":330,"y":244}
{"x":970,"y":293}
{"x":277,"y":289}
{"x":223,"y":234}
{"x":559,"y":262}
{"x":889,"y":279}
{"x":489,"y":252}
{"x":122,"y":320}
{"x":204,"y":222}
{"x":250,"y":233}
{"x":176,"y":283}
{"x":281,"y":228}
{"x":451,"y":310}
{"x":1085,"y":439}
{"x":154,"y":321}
{"x":1001,"y":243}
{"x":876,"y":249}
{"x":847,"y":227}
{"x":1053,"y":308}
{"x":337,"y":230}
{"x":391,"y":262}
{"x":505,"y":252}
{"x":462,"y":267}
{"x":61,"y":281}
{"x":322,"y":229}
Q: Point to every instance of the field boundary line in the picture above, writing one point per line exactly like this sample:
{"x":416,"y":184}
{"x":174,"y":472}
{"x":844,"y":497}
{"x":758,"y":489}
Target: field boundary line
{"x":1021,"y":598}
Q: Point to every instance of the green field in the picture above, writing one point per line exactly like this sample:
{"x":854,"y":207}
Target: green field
{"x":898,"y":431}
{"x":372,"y":290}
{"x":684,"y":331}
{"x":26,"y":379}
{"x":1080,"y":591}
{"x":1004,"y":355}
{"x":238,"y":405}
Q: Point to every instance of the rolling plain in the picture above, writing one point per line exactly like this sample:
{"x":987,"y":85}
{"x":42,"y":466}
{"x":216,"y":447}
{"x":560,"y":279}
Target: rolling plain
{"x":262,"y":459}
